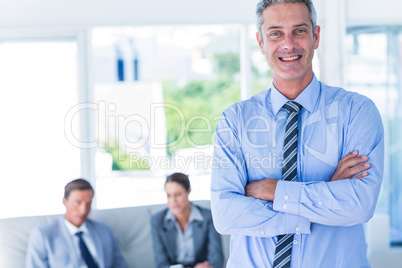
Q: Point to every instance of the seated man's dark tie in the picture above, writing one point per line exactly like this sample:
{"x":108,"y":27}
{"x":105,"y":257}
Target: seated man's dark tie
{"x":86,"y":255}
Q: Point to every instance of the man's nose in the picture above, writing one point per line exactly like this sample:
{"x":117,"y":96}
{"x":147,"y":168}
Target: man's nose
{"x":83,"y":208}
{"x":289,"y":42}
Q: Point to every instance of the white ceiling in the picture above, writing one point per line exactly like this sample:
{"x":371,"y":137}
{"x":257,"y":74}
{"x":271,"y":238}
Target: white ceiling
{"x":87,"y":13}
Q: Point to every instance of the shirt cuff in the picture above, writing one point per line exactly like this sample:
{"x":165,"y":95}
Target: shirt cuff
{"x":287,"y":196}
{"x":296,"y":224}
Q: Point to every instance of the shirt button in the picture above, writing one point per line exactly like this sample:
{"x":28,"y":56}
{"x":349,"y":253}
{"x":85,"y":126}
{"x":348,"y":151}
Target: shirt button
{"x":320,"y":203}
{"x":285,"y":206}
{"x":295,"y":242}
{"x":286,"y":197}
{"x":262,"y":232}
{"x":297,"y":229}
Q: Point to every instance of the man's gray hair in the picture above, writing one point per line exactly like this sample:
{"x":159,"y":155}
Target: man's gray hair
{"x":263,"y":4}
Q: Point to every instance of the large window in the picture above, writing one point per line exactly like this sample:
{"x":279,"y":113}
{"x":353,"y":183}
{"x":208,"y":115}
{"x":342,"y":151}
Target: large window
{"x":374,"y":69}
{"x":162,"y":89}
{"x":120,"y":106}
{"x":38,"y":86}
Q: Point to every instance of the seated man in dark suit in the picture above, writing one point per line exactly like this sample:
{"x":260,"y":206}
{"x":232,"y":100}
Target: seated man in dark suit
{"x":74,"y":240}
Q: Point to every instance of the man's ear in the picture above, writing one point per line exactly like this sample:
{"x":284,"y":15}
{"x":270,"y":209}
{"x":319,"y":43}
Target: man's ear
{"x":64,"y":201}
{"x":260,"y":43}
{"x":316,"y":36}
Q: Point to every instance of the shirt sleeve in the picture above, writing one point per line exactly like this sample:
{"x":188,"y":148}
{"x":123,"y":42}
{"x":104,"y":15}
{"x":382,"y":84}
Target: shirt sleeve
{"x":345,"y":202}
{"x":232,"y":211}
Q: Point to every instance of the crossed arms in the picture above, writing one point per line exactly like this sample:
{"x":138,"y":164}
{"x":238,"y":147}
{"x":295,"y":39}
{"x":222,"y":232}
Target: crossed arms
{"x":348,"y":167}
{"x":250,"y":206}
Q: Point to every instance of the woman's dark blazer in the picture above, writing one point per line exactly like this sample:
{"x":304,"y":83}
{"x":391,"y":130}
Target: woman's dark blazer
{"x":207,"y":242}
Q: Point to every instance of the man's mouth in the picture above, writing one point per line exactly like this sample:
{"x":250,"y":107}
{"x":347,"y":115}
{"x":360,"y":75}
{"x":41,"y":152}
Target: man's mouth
{"x":290,"y":58}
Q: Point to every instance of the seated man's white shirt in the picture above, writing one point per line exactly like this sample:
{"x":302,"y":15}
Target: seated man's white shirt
{"x":72,"y":229}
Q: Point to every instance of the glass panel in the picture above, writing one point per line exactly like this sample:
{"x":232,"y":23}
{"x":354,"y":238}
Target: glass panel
{"x":162,"y":89}
{"x":38,"y":86}
{"x":374,"y":69}
{"x":395,"y":150}
{"x":367,"y":74}
{"x":261,"y":73}
{"x":367,"y":71}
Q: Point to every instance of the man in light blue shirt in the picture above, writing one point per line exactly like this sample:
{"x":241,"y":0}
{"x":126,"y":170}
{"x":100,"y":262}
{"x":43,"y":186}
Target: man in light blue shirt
{"x":340,"y":151}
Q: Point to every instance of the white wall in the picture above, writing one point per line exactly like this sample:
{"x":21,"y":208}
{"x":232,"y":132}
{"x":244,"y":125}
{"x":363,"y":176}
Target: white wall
{"x":332,"y":20}
{"x":61,"y":13}
{"x":55,"y":15}
{"x":84,"y":13}
{"x":373,"y":12}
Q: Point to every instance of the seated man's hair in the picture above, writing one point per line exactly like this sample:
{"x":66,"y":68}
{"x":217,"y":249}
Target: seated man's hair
{"x":78,"y":184}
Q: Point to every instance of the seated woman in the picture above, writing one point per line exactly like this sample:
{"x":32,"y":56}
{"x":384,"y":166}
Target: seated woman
{"x":183,"y":234}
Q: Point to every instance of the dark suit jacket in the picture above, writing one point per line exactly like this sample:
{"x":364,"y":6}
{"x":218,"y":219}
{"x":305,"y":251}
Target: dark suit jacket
{"x":51,"y":245}
{"x":207,"y":242}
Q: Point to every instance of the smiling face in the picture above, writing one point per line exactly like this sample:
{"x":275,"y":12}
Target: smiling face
{"x":177,"y":198}
{"x":78,"y":206}
{"x":288,"y":43}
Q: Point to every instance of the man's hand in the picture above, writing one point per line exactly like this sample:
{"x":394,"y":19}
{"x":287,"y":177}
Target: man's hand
{"x":351,"y":165}
{"x":204,"y":264}
{"x":263,"y":189}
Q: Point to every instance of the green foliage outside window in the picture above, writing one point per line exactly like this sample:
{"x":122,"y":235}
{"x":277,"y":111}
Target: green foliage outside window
{"x":124,"y":161}
{"x":193,"y":109}
{"x":201,"y":103}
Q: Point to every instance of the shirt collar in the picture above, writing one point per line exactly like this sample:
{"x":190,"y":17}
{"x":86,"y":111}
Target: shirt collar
{"x":72,"y":229}
{"x":195,"y":215}
{"x":307,"y":98}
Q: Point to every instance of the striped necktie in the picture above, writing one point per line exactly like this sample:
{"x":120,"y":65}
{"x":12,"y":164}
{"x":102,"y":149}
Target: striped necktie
{"x":284,"y":244}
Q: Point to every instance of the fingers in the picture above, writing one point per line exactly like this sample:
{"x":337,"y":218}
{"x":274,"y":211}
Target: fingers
{"x":351,"y":166}
{"x":360,"y":176}
{"x":352,"y":160}
{"x":356,"y":169}
{"x":348,"y":157}
{"x":360,"y":168}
